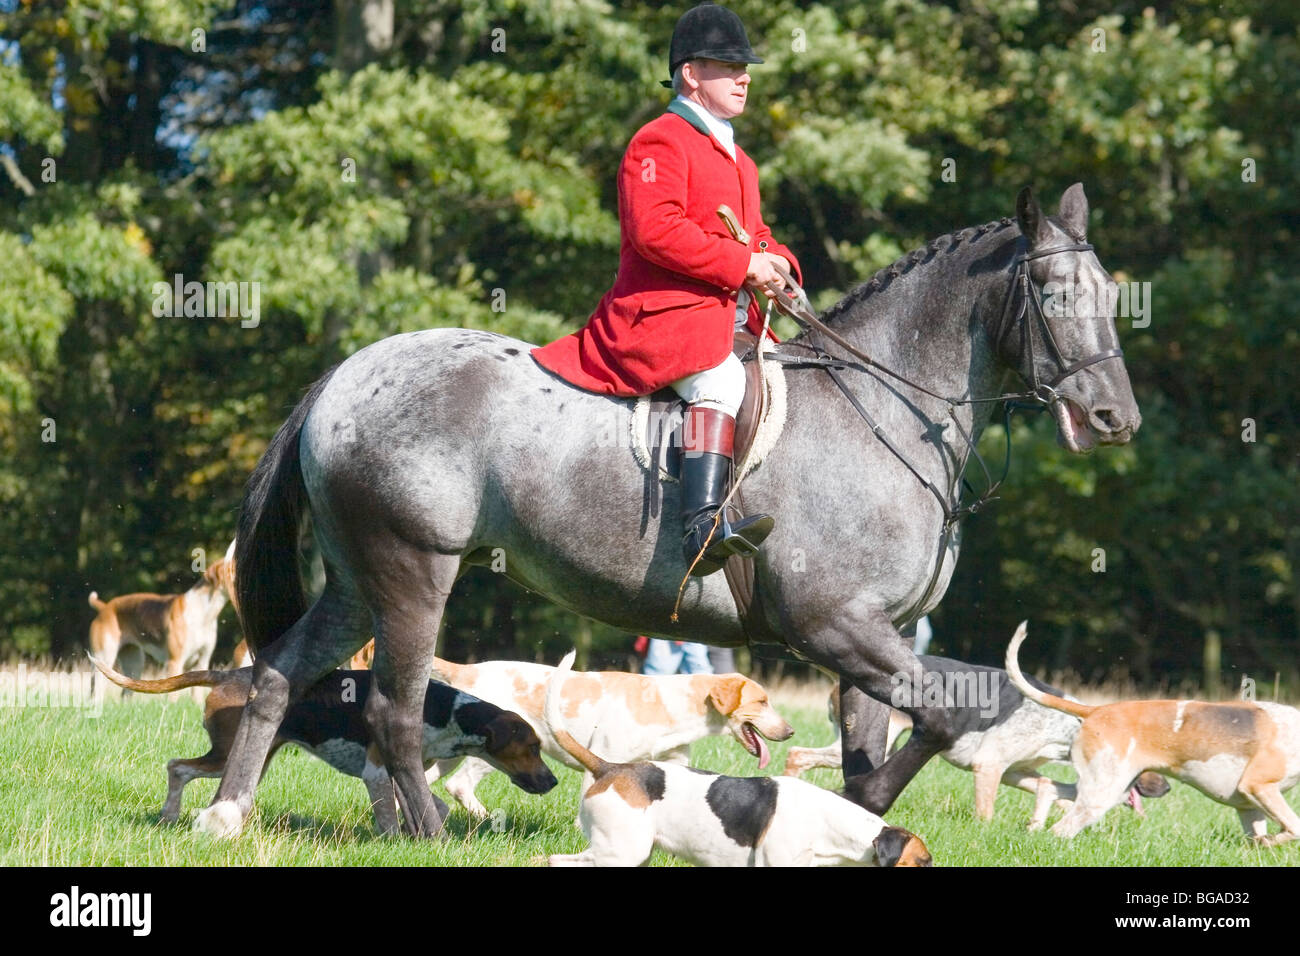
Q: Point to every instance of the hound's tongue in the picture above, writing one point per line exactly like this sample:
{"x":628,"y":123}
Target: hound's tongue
{"x":759,"y":744}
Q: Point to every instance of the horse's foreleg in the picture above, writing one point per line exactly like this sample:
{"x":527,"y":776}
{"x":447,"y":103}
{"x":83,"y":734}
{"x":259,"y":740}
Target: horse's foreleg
{"x":869,"y":780}
{"x":864,"y":729}
{"x":873,"y":662}
{"x":331,"y":630}
{"x":405,"y":638}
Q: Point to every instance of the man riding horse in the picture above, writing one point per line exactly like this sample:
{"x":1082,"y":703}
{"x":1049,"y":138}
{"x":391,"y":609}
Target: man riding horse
{"x":679,"y":294}
{"x":507,"y":462}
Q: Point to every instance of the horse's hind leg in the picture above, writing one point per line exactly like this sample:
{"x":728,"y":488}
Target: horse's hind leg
{"x":330,"y":632}
{"x":407,"y":615}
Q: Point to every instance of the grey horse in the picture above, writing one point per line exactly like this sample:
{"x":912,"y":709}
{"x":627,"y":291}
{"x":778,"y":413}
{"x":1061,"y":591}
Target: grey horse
{"x":431,"y":452}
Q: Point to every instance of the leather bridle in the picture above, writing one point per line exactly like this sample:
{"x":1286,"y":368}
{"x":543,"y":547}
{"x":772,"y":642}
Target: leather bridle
{"x":1044,"y":392}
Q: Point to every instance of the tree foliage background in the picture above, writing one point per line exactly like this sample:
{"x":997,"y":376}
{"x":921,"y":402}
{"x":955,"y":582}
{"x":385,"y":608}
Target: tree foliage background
{"x":140,"y":140}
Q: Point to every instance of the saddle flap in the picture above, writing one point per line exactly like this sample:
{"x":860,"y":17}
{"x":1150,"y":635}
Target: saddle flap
{"x":657,"y":419}
{"x":744,"y":345}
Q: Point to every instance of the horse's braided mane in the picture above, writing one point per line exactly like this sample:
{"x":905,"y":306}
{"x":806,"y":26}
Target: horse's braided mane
{"x":944,"y":243}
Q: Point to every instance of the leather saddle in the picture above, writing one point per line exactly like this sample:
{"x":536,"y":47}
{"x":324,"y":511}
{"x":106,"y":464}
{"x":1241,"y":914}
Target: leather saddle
{"x":663,"y":437}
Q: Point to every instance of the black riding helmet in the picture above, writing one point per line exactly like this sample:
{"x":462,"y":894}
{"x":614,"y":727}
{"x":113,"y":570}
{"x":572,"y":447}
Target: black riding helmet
{"x":709,"y":32}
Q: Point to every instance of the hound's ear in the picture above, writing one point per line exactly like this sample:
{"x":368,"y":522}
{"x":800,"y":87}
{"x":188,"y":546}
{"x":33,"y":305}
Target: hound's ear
{"x":895,"y":846}
{"x":1074,"y":212}
{"x":1151,"y":784}
{"x":494,"y":735}
{"x":1033,"y":224}
{"x":889,"y":844}
{"x":726,"y":693}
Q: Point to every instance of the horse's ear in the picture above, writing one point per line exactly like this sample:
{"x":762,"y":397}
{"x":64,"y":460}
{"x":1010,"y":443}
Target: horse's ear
{"x":1033,"y":224}
{"x":1074,"y":211}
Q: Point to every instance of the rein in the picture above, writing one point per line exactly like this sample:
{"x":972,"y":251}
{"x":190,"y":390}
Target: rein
{"x":795,"y":304}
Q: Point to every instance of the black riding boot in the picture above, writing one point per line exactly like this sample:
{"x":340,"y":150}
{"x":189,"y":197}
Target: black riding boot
{"x":706,"y":465}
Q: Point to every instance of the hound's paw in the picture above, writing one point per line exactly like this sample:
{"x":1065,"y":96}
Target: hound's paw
{"x":1277,"y":839}
{"x":221,"y":820}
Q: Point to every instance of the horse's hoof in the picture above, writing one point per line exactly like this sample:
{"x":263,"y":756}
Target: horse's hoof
{"x":439,"y":835}
{"x":426,"y":831}
{"x":221,"y":820}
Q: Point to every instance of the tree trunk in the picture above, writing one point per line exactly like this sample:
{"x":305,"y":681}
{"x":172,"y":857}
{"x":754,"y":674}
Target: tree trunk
{"x":363,"y":32}
{"x":1211,"y":661}
{"x":66,"y":403}
{"x":582,"y":642}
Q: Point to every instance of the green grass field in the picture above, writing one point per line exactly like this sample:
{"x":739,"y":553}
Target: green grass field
{"x":87,"y":792}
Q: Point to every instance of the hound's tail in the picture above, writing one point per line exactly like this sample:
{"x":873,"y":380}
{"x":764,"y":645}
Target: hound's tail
{"x":552,"y":718}
{"x":1028,"y":689}
{"x":95,"y":602}
{"x":271,"y":597}
{"x":167,"y":684}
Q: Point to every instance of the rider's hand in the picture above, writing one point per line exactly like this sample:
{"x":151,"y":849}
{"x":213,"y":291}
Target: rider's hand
{"x":761,"y":271}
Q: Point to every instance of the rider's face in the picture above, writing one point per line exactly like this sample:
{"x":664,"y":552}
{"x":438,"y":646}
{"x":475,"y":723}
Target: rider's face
{"x":721,"y":88}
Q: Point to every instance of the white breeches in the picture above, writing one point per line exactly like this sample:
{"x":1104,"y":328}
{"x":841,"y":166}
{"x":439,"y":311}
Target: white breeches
{"x":722,"y":387}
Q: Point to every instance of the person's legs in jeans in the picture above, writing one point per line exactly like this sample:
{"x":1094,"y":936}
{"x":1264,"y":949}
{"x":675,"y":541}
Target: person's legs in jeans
{"x":695,"y":659}
{"x":662,"y":657}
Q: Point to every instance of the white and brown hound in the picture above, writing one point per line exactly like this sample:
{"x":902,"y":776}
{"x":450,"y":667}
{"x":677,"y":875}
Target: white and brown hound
{"x":176,"y":630}
{"x":624,"y":716}
{"x":1245,"y":754}
{"x":1001,"y":737}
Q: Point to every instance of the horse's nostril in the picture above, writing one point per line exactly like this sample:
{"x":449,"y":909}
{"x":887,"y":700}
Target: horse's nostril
{"x":1108,"y":418}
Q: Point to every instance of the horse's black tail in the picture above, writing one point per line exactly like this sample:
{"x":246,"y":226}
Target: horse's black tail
{"x":271,"y":594}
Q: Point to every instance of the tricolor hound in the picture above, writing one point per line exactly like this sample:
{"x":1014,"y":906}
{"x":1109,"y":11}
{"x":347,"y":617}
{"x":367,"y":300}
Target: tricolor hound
{"x":328,"y":723}
{"x":713,"y":820}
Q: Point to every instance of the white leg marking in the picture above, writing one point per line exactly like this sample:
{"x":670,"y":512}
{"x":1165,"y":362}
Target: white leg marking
{"x":221,"y":820}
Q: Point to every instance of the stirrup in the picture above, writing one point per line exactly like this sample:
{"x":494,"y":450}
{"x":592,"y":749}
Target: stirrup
{"x":741,"y":539}
{"x":744,"y":538}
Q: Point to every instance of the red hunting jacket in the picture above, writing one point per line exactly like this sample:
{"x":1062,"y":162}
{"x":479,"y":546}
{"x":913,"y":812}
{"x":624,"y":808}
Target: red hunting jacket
{"x":672,"y":309}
